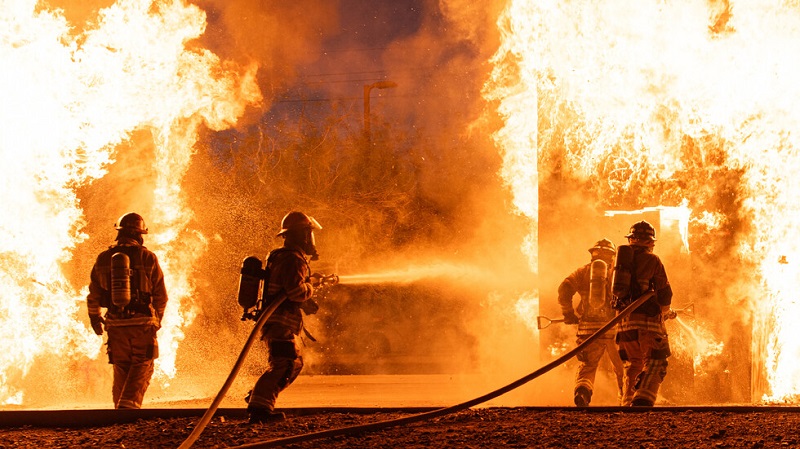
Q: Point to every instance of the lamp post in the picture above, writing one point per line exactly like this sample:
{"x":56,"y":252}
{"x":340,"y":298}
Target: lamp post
{"x":367,"y":89}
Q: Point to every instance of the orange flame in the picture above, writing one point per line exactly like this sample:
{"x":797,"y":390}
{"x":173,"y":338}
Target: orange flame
{"x":69,"y":101}
{"x":621,"y":87}
{"x":512,"y":85}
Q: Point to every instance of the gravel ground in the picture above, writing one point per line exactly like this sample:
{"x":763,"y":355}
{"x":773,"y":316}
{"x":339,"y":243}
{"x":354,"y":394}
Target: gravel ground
{"x":475,"y":428}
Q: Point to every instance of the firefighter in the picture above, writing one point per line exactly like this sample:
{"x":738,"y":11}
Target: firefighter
{"x":289,"y":277}
{"x":641,"y":336}
{"x":128,"y":282}
{"x":592,"y":282}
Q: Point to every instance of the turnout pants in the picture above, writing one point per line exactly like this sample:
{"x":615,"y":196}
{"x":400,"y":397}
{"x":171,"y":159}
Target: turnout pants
{"x":590,"y":357}
{"x":285,"y":364}
{"x":131,"y":350}
{"x":644,"y":354}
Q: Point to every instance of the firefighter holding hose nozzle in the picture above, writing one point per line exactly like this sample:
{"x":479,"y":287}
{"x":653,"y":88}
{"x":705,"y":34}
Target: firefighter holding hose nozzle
{"x":288,"y":276}
{"x":593,"y":284}
{"x":641,"y":336}
{"x":128,"y":282}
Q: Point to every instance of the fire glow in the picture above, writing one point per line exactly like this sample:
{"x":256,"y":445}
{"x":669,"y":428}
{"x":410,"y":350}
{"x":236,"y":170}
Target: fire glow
{"x":416,"y":273}
{"x":648,"y":101}
{"x":699,"y":343}
{"x":641,"y":99}
{"x":70,"y":100}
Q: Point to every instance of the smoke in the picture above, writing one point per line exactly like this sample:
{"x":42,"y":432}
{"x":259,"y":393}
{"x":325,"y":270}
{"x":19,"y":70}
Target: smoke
{"x":418,"y":211}
{"x":278,"y":36}
{"x":421,"y":192}
{"x":422,"y":205}
{"x":417,"y":221}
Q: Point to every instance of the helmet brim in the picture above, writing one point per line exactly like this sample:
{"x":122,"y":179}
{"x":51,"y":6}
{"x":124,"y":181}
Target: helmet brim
{"x":136,"y":230}
{"x":640,"y":237}
{"x":600,"y":250}
{"x":131,"y":222}
{"x":313,"y":224}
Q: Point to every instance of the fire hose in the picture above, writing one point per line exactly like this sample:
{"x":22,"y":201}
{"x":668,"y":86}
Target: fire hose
{"x":459,"y":407}
{"x":206,"y":418}
{"x":543,"y":322}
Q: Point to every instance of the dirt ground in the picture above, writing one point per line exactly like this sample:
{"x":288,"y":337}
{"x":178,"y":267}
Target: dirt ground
{"x":475,"y":428}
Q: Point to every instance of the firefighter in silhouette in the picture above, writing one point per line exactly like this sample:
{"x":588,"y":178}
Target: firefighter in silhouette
{"x":641,"y":336}
{"x":128,"y":282}
{"x":289,"y":277}
{"x":592,"y":282}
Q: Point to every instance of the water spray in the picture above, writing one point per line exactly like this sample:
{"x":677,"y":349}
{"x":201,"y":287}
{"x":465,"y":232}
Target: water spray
{"x":689,"y":329}
{"x":416,"y":273}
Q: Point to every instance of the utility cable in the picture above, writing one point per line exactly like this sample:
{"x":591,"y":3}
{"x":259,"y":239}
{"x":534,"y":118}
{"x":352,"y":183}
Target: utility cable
{"x":455,"y":408}
{"x":206,"y":418}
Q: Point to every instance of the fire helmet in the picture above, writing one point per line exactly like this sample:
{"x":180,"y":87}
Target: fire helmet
{"x":604,"y":248}
{"x":298,"y":228}
{"x":132,"y":222}
{"x":297,"y":220}
{"x":642,"y":231}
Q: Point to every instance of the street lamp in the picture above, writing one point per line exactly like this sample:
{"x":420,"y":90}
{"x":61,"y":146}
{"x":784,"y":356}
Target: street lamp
{"x":367,"y":89}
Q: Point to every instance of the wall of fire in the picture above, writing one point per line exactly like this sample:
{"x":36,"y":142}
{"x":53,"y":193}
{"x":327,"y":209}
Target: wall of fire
{"x":695,"y":376}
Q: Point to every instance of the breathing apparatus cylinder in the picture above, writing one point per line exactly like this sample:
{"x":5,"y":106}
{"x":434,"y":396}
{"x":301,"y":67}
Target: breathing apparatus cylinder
{"x":598,"y":276}
{"x":621,"y":287}
{"x":120,"y":279}
{"x":250,"y":281}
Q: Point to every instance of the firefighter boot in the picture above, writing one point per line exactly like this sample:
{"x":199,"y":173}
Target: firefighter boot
{"x":260,"y":416}
{"x":583,"y":396}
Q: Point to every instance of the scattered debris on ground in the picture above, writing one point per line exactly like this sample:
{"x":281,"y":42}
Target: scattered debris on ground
{"x":476,"y":428}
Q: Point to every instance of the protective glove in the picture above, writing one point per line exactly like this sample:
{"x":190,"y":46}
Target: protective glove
{"x":669,"y":315}
{"x":315,"y":279}
{"x":309,"y":306}
{"x":570,"y":317}
{"x":97,"y":323}
{"x":158,"y":318}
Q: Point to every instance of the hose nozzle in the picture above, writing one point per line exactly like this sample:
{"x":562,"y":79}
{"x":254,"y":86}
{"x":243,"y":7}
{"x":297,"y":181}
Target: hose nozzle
{"x":323,"y":280}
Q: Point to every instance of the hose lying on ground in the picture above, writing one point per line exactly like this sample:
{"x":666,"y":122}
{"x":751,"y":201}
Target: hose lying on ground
{"x":206,"y":418}
{"x":455,"y":408}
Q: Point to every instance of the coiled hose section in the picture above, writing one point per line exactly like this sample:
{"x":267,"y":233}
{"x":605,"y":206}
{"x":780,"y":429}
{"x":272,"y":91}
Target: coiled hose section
{"x":455,"y":408}
{"x":206,"y":418}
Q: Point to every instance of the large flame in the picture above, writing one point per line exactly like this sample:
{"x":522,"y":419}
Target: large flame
{"x":649,"y":98}
{"x":69,"y":101}
{"x":512,"y":87}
